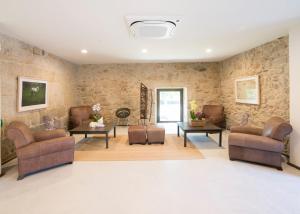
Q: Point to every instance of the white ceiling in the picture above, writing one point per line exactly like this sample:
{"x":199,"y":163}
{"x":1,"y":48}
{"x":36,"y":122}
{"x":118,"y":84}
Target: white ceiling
{"x":64,"y":27}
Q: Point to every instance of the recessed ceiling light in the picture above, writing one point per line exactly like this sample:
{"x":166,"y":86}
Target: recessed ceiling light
{"x":144,"y":50}
{"x":208,"y":50}
{"x":84,"y":51}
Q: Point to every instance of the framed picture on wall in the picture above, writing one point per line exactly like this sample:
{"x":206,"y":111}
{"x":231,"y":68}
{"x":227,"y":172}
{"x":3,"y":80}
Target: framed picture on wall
{"x":247,"y":90}
{"x":32,"y":94}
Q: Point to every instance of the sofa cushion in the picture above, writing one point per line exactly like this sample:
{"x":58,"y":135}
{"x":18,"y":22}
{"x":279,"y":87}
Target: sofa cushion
{"x":255,"y":142}
{"x":49,"y":134}
{"x":46,"y":147}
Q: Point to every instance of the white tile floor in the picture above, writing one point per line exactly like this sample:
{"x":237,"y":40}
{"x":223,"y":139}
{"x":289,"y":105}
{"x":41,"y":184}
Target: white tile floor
{"x":210,"y":185}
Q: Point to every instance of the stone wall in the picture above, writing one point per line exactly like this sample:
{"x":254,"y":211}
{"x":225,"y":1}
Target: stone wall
{"x":118,"y":85}
{"x":0,"y":118}
{"x":19,"y":59}
{"x":270,"y":62}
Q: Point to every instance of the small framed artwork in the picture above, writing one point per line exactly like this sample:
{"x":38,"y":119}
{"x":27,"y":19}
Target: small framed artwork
{"x":32,"y":94}
{"x":247,"y":90}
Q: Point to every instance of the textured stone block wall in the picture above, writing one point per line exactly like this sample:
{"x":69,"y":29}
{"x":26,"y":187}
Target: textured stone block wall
{"x":118,"y":85}
{"x":270,"y":62}
{"x":20,"y":59}
{"x":0,"y":117}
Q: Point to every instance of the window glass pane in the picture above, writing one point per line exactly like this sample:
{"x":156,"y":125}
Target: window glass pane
{"x":170,"y":106}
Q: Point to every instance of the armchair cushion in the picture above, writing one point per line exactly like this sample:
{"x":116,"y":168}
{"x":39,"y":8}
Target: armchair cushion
{"x":255,"y":142}
{"x":246,"y":130}
{"x":49,"y":134}
{"x":46,"y":147}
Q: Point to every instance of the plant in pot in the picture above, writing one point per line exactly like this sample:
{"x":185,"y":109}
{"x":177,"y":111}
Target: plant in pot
{"x":96,"y":116}
{"x":197,"y":117}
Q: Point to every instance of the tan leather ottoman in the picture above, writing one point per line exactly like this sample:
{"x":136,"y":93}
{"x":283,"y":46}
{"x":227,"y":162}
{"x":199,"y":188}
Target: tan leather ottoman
{"x":155,"y":135}
{"x":137,"y":135}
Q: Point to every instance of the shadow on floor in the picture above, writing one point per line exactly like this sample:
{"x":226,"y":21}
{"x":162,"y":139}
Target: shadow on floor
{"x":203,"y":142}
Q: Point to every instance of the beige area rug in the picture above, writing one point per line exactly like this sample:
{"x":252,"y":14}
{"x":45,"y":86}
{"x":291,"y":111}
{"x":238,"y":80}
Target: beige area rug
{"x":93,"y":149}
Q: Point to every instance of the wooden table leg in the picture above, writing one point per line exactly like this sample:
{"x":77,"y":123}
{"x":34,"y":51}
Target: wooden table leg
{"x":85,"y":135}
{"x":106,"y":140}
{"x":220,"y":139}
{"x":184,"y":139}
{"x":114,"y":131}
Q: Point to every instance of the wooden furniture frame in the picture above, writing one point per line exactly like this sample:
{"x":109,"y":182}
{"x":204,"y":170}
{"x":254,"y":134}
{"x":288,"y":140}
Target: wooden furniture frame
{"x":85,"y":129}
{"x":207,"y":128}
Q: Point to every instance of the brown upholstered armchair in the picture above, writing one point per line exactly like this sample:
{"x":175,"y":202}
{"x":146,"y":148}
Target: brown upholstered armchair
{"x":214,"y":114}
{"x":39,"y":150}
{"x":80,"y":115}
{"x":257,"y":145}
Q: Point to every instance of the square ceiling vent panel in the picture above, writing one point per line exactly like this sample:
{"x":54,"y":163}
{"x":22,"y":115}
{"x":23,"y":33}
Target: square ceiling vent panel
{"x":152,"y":27}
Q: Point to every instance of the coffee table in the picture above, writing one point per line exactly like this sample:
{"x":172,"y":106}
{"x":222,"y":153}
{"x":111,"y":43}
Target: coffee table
{"x":207,"y":128}
{"x":85,"y":129}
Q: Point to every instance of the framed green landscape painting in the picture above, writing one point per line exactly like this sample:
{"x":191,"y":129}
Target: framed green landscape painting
{"x":32,"y":94}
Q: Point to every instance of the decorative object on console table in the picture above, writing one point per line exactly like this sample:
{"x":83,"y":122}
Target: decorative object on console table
{"x":32,"y":94}
{"x":122,"y":114}
{"x":143,"y":102}
{"x":48,"y":123}
{"x":96,"y":112}
{"x":195,"y":123}
{"x":247,"y":90}
{"x":244,"y":119}
{"x":197,"y":118}
{"x":96,"y":117}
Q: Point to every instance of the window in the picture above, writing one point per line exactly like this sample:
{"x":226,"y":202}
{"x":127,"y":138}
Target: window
{"x":169,"y":105}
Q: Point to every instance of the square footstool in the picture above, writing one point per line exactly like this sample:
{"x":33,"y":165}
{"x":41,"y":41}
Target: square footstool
{"x":137,"y":135}
{"x":155,"y":135}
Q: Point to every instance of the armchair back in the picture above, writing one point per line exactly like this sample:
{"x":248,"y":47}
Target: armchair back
{"x":215,"y":114}
{"x":79,"y":114}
